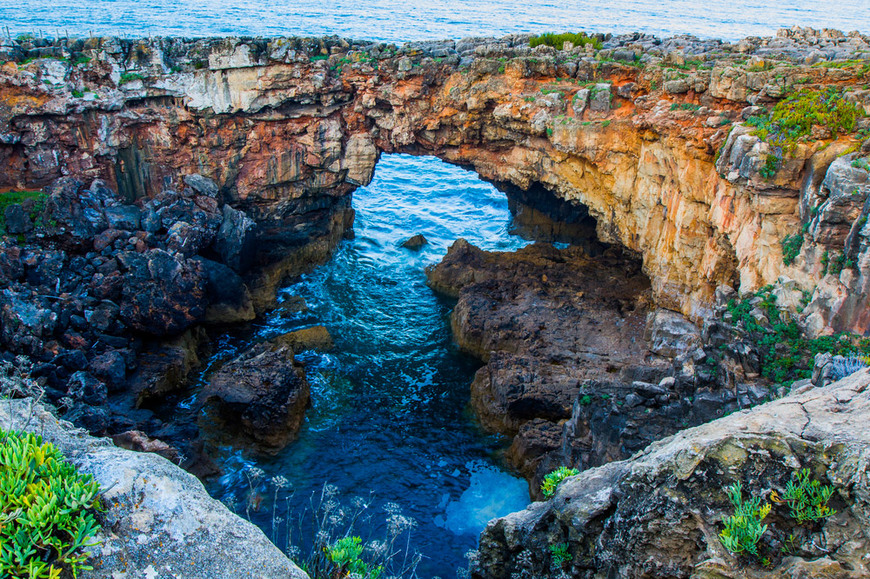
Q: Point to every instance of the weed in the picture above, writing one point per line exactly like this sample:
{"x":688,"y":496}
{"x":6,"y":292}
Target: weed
{"x":685,"y":107}
{"x":21,"y":197}
{"x":552,"y":480}
{"x":129,"y":77}
{"x":770,"y":167}
{"x":791,"y":247}
{"x":744,"y":529}
{"x":346,"y":554}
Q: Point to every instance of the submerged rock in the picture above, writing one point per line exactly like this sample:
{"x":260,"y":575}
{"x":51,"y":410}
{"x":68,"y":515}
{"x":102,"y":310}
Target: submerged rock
{"x":158,"y":522}
{"x":415,"y":243}
{"x":660,"y":513}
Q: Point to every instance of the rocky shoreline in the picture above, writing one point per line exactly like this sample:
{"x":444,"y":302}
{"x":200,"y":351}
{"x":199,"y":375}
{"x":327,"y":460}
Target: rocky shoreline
{"x":162,"y":189}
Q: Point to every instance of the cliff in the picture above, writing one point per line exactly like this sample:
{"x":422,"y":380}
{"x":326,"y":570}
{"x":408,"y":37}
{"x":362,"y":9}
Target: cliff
{"x":647,"y":136}
{"x":659,"y":514}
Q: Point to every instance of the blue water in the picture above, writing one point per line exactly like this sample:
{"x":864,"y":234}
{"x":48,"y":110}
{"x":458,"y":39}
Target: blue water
{"x":390,"y":420}
{"x":394,"y":21}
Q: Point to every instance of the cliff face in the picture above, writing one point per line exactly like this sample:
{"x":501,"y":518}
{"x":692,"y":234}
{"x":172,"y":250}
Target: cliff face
{"x":637,"y":134}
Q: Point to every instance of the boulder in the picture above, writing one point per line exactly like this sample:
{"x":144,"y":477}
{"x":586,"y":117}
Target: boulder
{"x":235,"y":239}
{"x":159,"y":521}
{"x":670,"y":334}
{"x":415,"y":243}
{"x":313,"y":338}
{"x":162,"y":294}
{"x":264,"y":392}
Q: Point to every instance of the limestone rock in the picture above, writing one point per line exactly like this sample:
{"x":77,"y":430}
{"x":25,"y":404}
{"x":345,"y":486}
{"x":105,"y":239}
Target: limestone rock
{"x":159,"y":521}
{"x":660,"y":513}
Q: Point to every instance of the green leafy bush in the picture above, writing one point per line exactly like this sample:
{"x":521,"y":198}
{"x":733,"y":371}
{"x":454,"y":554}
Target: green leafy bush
{"x":46,"y":510}
{"x":552,"y":480}
{"x":807,"y":500}
{"x":346,"y":553}
{"x":560,"y":554}
{"x":770,"y":167}
{"x":793,"y":117}
{"x":557,"y":41}
{"x":129,"y":77}
{"x":744,"y":529}
{"x":791,"y":247}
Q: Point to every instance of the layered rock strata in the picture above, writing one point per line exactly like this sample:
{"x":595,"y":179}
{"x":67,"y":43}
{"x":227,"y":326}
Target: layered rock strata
{"x":288,"y":127}
{"x":659,"y":514}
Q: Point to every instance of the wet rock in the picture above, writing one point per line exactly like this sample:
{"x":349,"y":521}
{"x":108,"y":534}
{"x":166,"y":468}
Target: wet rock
{"x":313,"y":338}
{"x":262,"y":391}
{"x":164,"y":368}
{"x":415,"y":243}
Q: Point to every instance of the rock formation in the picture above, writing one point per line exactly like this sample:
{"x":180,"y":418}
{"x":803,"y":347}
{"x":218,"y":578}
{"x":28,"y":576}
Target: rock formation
{"x":159,"y":521}
{"x":659,"y":514}
{"x":630,"y":134}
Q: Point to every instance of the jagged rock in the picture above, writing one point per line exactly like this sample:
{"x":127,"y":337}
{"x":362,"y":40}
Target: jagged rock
{"x":158,"y":522}
{"x":264,"y":392}
{"x":161,"y":294}
{"x":659,"y":513}
{"x":670,"y":334}
{"x":235,"y":239}
{"x":202,"y":185}
{"x":123,"y":217}
{"x":17,"y":220}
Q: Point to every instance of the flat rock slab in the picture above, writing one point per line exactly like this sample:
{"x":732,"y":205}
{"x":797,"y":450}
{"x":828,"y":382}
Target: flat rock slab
{"x":160,"y":522}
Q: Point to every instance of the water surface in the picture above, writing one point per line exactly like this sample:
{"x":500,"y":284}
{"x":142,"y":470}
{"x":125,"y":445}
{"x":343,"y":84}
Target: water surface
{"x":393,"y":21}
{"x":390,"y":421}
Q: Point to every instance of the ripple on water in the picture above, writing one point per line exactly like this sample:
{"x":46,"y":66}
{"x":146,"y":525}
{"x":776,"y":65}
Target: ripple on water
{"x":390,"y":417}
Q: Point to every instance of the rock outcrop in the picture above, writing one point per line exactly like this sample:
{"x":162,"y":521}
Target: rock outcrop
{"x":659,"y":514}
{"x":647,"y":136}
{"x":158,"y":522}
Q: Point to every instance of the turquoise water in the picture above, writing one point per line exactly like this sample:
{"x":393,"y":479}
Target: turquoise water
{"x":390,"y":420}
{"x":392,"y":21}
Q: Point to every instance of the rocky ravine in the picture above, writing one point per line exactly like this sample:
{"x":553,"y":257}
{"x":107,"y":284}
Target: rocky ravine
{"x":659,"y":514}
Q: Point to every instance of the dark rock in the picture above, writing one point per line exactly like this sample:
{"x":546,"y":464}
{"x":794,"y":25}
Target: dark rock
{"x":83,"y":386}
{"x":17,"y":220}
{"x":202,"y":185}
{"x":229,"y":300}
{"x":141,"y":442}
{"x":123,"y":217}
{"x":235,"y":239}
{"x":264,"y":391}
{"x":110,"y":367}
{"x":151,"y":221}
{"x":313,"y":338}
{"x":415,"y":243}
{"x":162,"y":294}
{"x":187,"y":239}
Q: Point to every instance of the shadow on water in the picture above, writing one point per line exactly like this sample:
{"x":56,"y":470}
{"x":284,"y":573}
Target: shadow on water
{"x":390,"y":420}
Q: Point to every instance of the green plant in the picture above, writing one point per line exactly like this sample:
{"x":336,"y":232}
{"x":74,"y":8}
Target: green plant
{"x":807,"y":500}
{"x":77,"y":93}
{"x":770,"y":167}
{"x":129,"y":77}
{"x":46,"y":510}
{"x":560,"y":554}
{"x":552,"y":480}
{"x":557,"y":41}
{"x":791,"y":247}
{"x":346,"y":553}
{"x":20,"y":197}
{"x":586,"y":400}
{"x":744,"y":529}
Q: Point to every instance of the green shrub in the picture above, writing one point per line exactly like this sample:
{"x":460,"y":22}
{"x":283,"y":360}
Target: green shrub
{"x":770,"y":167}
{"x":806,"y":499}
{"x":557,"y":41}
{"x":129,"y":77}
{"x":791,"y":247}
{"x":46,"y":510}
{"x":552,"y":480}
{"x":744,"y":529}
{"x":560,"y":554}
{"x":793,"y":117}
{"x":346,"y":553}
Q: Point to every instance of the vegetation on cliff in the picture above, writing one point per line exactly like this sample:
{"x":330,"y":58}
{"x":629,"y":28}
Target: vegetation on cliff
{"x":46,"y":510}
{"x":558,"y":41}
